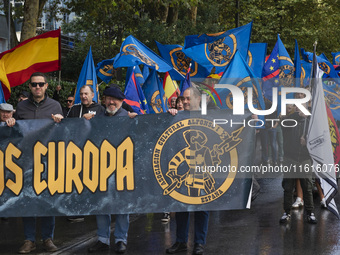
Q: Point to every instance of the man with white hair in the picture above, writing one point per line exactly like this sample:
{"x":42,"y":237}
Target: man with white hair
{"x":6,"y":114}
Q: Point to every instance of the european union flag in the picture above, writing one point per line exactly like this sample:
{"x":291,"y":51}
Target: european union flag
{"x":324,"y":64}
{"x":154,"y":93}
{"x":297,"y":66}
{"x":238,"y":73}
{"x":134,"y":95}
{"x":138,"y":74}
{"x":173,"y":54}
{"x":257,"y":57}
{"x":104,"y":70}
{"x":87,"y":77}
{"x":133,"y":53}
{"x":336,"y":58}
{"x":270,"y":73}
{"x":217,"y":50}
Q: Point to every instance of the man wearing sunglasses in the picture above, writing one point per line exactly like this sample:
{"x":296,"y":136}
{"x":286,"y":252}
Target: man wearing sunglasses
{"x":38,"y":106}
{"x":69,"y":104}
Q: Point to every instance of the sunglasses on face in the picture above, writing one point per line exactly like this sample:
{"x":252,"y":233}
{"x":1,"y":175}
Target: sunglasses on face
{"x":40,"y":84}
{"x":69,"y":101}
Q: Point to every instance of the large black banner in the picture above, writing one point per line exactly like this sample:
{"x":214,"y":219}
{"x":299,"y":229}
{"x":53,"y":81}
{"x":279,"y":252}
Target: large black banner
{"x":111,"y":165}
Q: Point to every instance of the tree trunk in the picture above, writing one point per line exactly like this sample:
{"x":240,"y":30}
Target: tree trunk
{"x":13,"y":40}
{"x":172,"y":15}
{"x":193,"y":15}
{"x":41,"y":6}
{"x":29,"y":24}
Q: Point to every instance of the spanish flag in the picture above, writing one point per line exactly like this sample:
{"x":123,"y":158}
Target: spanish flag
{"x":37,"y":54}
{"x":170,"y":87}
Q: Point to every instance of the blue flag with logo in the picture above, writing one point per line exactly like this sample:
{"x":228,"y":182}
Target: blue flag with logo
{"x":138,"y":74}
{"x":154,"y":94}
{"x":133,"y":53}
{"x":146,"y":72}
{"x":333,"y":99}
{"x":134,"y":95}
{"x":87,"y":77}
{"x":324,"y":64}
{"x":257,"y":57}
{"x":217,"y":50}
{"x":173,"y":54}
{"x":336,"y":58}
{"x":239,"y":74}
{"x":104,"y":70}
{"x":286,"y":66}
{"x":297,"y":66}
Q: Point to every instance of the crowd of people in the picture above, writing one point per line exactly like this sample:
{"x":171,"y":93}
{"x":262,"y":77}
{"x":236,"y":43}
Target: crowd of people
{"x":276,"y":144}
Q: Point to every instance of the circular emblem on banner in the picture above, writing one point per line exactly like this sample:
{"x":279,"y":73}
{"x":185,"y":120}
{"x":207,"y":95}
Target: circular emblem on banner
{"x":219,"y":53}
{"x":204,"y":166}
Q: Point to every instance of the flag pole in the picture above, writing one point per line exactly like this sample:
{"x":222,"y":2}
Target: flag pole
{"x":312,"y":87}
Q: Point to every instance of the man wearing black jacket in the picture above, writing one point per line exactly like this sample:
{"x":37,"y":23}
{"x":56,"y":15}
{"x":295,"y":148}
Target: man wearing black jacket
{"x":113,"y":99}
{"x":87,"y":108}
{"x":38,"y":106}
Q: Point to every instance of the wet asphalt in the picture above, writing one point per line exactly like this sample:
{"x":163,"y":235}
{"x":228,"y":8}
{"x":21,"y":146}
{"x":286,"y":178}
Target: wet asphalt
{"x":253,"y":231}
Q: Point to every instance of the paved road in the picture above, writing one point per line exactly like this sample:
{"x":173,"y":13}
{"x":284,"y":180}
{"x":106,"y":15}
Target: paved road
{"x":254,"y":231}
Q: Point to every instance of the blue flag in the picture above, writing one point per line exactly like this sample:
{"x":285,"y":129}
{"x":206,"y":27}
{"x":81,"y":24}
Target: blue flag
{"x":146,"y":72}
{"x":186,"y":83}
{"x":104,"y":70}
{"x":138,"y":74}
{"x":2,"y":96}
{"x":239,"y":74}
{"x":257,"y":57}
{"x":173,"y":54}
{"x":333,"y":100}
{"x":87,"y":77}
{"x":324,"y":64}
{"x":286,"y":66}
{"x":154,"y":93}
{"x":217,"y":50}
{"x":336,"y":58}
{"x":270,"y":73}
{"x":133,"y":53}
{"x":134,"y":95}
{"x":297,"y":66}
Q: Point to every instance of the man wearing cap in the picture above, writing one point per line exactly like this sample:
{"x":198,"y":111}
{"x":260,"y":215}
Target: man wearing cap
{"x":113,"y":99}
{"x":6,"y":115}
{"x":38,"y":106}
{"x":87,"y":108}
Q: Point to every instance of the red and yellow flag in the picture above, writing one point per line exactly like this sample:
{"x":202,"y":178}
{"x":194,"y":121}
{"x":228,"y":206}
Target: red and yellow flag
{"x":37,"y":54}
{"x":170,"y":87}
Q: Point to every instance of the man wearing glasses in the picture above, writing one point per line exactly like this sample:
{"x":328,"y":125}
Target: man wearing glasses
{"x":38,"y":106}
{"x":69,"y":104}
